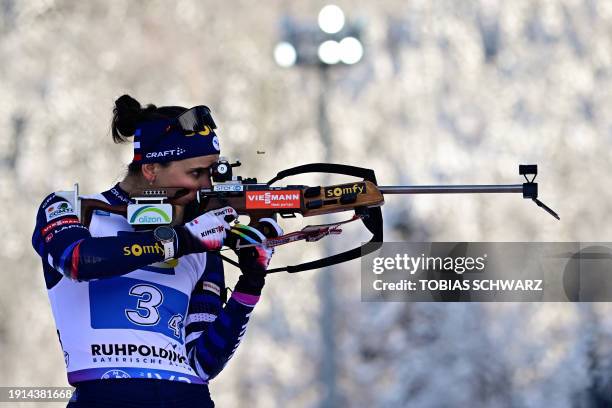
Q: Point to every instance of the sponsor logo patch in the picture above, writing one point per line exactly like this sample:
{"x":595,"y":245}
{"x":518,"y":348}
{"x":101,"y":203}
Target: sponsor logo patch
{"x":211,"y":231}
{"x":273,"y":199}
{"x":57,"y":210}
{"x":119,"y":196}
{"x":224,"y":212}
{"x":339,"y":190}
{"x":67,"y":227}
{"x":141,"y":350}
{"x":114,"y":374}
{"x":173,"y":152}
{"x":228,"y":187}
{"x":58,"y":224}
{"x":211,"y":287}
{"x":46,"y":202}
{"x":138,"y":250}
{"x":149,"y":214}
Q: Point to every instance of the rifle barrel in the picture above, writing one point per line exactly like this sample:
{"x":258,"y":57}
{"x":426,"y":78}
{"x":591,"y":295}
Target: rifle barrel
{"x":452,"y":189}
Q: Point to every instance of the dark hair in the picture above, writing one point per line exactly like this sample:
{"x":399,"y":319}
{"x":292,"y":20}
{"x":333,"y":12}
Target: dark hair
{"x":128,"y":113}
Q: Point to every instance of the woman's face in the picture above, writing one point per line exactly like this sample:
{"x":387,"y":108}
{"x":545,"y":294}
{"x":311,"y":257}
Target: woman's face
{"x":192,"y":174}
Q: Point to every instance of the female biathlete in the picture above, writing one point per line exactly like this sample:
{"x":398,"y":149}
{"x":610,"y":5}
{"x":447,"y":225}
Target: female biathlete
{"x":142,"y":316}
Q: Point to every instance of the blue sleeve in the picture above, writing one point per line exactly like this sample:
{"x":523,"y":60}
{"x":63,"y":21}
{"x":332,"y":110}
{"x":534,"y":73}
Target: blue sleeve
{"x":214,"y":331}
{"x":68,"y":249}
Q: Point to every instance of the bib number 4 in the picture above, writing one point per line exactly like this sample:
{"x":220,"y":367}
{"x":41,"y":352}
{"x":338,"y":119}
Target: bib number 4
{"x":176,"y":324}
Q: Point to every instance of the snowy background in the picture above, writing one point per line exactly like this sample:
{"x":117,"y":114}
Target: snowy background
{"x":450,"y":92}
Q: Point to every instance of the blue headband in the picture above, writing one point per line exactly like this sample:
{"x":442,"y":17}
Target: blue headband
{"x":169,"y":140}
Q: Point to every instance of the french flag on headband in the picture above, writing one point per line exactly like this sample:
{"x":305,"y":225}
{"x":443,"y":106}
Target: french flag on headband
{"x":137,"y":155}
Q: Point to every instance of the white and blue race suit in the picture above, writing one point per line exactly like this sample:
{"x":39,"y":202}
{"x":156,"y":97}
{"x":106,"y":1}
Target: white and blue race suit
{"x":121,"y":311}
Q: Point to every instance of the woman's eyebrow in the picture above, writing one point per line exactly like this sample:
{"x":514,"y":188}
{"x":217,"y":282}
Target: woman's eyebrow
{"x":199,"y":168}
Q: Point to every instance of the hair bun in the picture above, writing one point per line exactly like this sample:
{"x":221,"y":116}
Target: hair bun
{"x":126,"y":115}
{"x":126,"y":105}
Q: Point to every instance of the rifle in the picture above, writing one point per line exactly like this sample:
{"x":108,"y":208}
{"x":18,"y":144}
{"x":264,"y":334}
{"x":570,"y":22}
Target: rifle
{"x":364,"y":197}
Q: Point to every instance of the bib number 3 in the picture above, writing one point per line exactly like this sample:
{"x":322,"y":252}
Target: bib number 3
{"x":149,"y":300}
{"x":134,"y":304}
{"x":147,"y":312}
